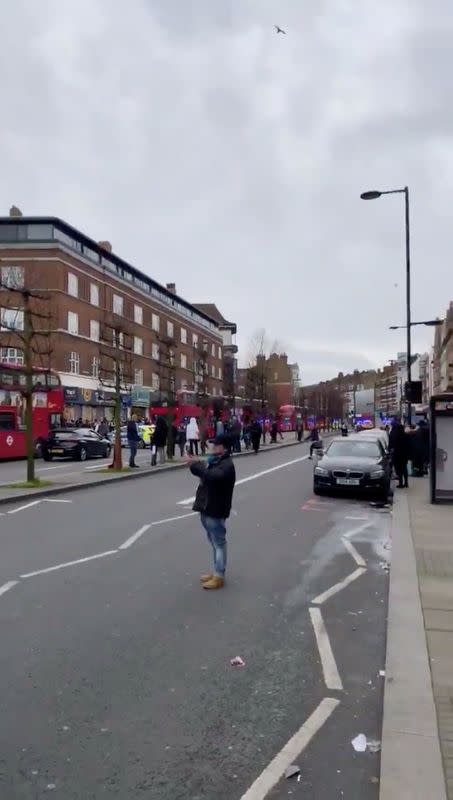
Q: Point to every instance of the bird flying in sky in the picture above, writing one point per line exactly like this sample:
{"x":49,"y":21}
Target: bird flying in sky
{"x":279,"y":30}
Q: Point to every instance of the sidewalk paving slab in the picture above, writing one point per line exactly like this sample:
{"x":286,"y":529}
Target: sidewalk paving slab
{"x":411,"y":764}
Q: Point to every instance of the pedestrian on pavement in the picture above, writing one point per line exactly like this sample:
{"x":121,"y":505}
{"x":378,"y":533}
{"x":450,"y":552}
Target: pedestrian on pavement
{"x":399,"y":446}
{"x":159,"y":441}
{"x":235,"y":433}
{"x":132,"y":440}
{"x":219,"y":428}
{"x":274,"y":431}
{"x":255,"y":434}
{"x":213,"y":501}
{"x":103,"y":428}
{"x":313,"y":437}
{"x":193,"y":436}
{"x":181,"y":437}
{"x":299,"y":429}
{"x":280,"y":429}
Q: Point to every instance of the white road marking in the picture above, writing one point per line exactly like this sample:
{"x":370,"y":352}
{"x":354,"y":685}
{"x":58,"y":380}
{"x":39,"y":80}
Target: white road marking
{"x":353,"y":552}
{"x":251,"y":477}
{"x":68,"y":564}
{"x":134,"y":537}
{"x":50,"y":500}
{"x":358,"y":530}
{"x":321,"y":598}
{"x":22,"y":508}
{"x":292,"y":749}
{"x":357,"y":518}
{"x":329,"y":667}
{"x":173,"y":519}
{"x":7,"y":586}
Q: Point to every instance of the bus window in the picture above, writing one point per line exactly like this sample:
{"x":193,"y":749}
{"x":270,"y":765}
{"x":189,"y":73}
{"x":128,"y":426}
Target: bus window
{"x":7,"y":421}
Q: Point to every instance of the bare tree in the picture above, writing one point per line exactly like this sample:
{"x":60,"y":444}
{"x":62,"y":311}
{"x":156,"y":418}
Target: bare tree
{"x":167,"y":384}
{"x":115,"y":370}
{"x":26,"y":322}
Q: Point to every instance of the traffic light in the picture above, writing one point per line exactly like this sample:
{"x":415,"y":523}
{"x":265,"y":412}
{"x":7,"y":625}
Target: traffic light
{"x":413,"y":391}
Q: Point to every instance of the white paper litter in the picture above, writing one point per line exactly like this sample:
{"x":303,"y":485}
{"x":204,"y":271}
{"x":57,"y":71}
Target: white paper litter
{"x":359,"y":743}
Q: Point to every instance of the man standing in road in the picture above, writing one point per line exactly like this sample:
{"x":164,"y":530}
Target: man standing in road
{"x":132,"y":440}
{"x":213,"y":501}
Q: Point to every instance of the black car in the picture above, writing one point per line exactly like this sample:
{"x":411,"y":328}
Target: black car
{"x":354,"y":465}
{"x":76,"y":443}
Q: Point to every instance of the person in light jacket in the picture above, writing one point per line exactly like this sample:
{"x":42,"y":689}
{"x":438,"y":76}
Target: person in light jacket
{"x":193,"y":436}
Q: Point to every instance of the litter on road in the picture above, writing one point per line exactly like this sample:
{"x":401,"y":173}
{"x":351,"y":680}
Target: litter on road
{"x":292,"y":771}
{"x":361,"y":744}
{"x":237,"y":661}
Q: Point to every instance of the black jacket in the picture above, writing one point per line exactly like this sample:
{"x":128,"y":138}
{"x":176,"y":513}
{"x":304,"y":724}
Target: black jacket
{"x":160,"y":433}
{"x":215,"y":492}
{"x":132,"y":431}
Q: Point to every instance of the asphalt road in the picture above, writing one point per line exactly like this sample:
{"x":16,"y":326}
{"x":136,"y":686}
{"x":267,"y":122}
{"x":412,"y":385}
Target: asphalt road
{"x":116,"y":671}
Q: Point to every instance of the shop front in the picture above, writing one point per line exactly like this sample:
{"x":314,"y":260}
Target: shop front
{"x":140,"y":401}
{"x":87,"y":405}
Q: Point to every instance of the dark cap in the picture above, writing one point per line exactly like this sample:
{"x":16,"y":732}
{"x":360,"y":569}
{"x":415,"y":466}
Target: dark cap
{"x":222,"y":439}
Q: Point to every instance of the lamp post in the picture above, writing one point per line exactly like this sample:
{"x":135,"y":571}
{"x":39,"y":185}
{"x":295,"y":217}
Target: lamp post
{"x":374,"y":195}
{"x":430,"y":323}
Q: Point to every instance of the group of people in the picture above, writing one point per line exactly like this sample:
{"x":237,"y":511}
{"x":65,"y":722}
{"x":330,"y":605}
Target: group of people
{"x":406,"y":444}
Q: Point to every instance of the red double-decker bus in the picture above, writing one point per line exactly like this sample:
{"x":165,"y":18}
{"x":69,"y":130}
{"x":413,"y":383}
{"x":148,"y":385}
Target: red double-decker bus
{"x":48,"y":405}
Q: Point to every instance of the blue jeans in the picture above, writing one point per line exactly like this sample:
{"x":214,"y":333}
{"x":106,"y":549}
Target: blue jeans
{"x":133,"y":452}
{"x":215,"y":528}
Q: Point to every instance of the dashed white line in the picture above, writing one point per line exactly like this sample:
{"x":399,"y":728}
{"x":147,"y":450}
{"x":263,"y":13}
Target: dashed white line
{"x":22,"y":508}
{"x":252,"y":477}
{"x":173,"y":519}
{"x":353,"y":552}
{"x":129,"y":542}
{"x":321,"y":598}
{"x":7,"y":586}
{"x":50,"y":500}
{"x":357,"y":518}
{"x":293,"y":748}
{"x":329,"y":667}
{"x":68,"y":564}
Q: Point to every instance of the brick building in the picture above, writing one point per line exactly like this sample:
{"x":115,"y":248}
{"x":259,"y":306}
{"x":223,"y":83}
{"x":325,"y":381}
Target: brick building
{"x":271,"y":380}
{"x":442,"y":357}
{"x":99,"y":305}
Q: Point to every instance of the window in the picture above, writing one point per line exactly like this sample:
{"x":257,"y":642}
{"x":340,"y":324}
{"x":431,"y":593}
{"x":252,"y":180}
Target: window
{"x":183,"y":361}
{"x":155,"y":351}
{"x":275,"y":376}
{"x":74,"y":363}
{"x":95,"y":367}
{"x":155,"y":322}
{"x":220,"y":352}
{"x":13,"y":277}
{"x":213,"y":370}
{"x":138,"y":346}
{"x":11,"y":355}
{"x":155,"y":381}
{"x":138,"y":314}
{"x":73,"y":322}
{"x":195,"y":339}
{"x":138,"y":377}
{"x":170,"y":329}
{"x":213,"y":350}
{"x":73,"y":285}
{"x":12,"y":319}
{"x":183,"y":336}
{"x":94,"y":330}
{"x":118,"y":339}
{"x":94,"y":294}
{"x":220,"y":373}
{"x":118,"y":304}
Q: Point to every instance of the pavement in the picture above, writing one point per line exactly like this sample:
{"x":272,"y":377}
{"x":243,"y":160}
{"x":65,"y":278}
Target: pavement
{"x":67,"y":475}
{"x":115,"y":664}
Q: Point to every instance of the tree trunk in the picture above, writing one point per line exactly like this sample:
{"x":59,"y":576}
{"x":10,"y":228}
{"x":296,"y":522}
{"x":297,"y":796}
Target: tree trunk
{"x":117,"y":462}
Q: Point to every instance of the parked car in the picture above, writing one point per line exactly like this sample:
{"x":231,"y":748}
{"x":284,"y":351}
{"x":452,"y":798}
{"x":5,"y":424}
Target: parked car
{"x":123,"y":436}
{"x":358,"y":464}
{"x":75,"y":443}
{"x":375,"y":434}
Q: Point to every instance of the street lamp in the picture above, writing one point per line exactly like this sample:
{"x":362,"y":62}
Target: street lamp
{"x":431,"y":323}
{"x":374,"y":195}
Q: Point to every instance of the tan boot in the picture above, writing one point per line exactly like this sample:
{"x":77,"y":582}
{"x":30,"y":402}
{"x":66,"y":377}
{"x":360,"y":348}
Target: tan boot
{"x":206,"y":578}
{"x":214,"y":583}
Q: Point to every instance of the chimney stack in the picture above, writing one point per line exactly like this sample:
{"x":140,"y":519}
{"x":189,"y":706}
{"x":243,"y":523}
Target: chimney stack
{"x":15,"y":212}
{"x":106,"y":246}
{"x":171,"y":287}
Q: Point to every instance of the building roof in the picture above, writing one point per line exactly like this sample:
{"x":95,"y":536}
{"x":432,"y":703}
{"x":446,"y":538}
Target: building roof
{"x":211,"y":311}
{"x":102,"y":253}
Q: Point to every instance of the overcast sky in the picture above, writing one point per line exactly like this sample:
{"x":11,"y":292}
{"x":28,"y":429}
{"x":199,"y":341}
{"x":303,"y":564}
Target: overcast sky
{"x":217,"y":154}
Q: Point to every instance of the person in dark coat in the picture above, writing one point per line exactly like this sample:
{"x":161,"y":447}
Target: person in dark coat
{"x":255,"y":435}
{"x":299,"y":429}
{"x":420,"y":449}
{"x":274,"y":431}
{"x":399,"y":446}
{"x":213,"y":501}
{"x":159,"y":441}
{"x":181,"y":437}
{"x":132,"y":440}
{"x":313,"y":437}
